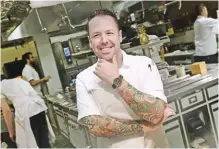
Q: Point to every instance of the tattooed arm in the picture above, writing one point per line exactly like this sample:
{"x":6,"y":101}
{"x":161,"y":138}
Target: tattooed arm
{"x":146,"y":106}
{"x":102,"y":126}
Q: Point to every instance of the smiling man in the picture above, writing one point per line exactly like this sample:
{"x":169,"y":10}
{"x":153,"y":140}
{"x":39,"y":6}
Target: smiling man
{"x":119,"y":98}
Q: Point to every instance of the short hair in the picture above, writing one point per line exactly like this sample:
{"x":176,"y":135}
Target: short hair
{"x":102,"y":12}
{"x":199,"y":8}
{"x":26,"y":56}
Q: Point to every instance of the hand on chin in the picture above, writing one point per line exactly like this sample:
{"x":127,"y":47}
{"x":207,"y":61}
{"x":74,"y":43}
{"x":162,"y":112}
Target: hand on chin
{"x":106,"y":70}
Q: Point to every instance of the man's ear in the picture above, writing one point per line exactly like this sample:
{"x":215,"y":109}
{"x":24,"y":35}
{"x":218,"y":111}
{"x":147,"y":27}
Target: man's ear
{"x":120,"y":35}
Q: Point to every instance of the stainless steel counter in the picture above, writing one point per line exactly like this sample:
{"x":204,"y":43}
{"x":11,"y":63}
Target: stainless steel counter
{"x":191,"y":84}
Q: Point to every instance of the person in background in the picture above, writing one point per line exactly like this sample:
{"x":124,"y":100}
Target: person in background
{"x":205,"y":30}
{"x":7,"y":134}
{"x":120,"y":99}
{"x":31,"y":75}
{"x":30,"y":119}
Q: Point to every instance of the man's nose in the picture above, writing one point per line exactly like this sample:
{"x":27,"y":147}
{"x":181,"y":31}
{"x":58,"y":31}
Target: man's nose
{"x":104,"y":39}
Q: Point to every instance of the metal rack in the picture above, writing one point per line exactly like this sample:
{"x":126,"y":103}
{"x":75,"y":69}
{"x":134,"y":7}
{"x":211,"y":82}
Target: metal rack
{"x":147,"y":47}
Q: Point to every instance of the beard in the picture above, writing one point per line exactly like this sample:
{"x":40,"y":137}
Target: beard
{"x":33,"y":63}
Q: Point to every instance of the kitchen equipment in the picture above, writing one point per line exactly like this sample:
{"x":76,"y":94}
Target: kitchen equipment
{"x":164,"y":73}
{"x":125,"y":45}
{"x":180,"y":71}
{"x":67,"y":52}
{"x":195,"y":122}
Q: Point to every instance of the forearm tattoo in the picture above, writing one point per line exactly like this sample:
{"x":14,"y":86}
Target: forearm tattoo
{"x":107,"y":127}
{"x":146,"y":106}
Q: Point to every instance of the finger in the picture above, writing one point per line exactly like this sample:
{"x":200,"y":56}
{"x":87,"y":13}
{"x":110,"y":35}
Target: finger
{"x":114,"y":59}
{"x":97,"y":68}
{"x":98,"y":64}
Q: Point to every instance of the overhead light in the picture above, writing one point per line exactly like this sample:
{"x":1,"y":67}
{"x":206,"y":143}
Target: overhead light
{"x":38,"y":4}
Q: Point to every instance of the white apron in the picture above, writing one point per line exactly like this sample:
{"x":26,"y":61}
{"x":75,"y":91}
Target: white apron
{"x":52,"y":137}
{"x":23,"y":108}
{"x":112,"y":105}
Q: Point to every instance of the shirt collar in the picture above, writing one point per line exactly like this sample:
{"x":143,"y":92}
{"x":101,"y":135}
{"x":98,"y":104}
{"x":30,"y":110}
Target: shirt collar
{"x":125,"y":59}
{"x":201,"y":16}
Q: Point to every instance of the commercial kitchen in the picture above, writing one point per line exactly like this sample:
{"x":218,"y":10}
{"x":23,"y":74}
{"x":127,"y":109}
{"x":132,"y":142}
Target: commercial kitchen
{"x":55,"y":32}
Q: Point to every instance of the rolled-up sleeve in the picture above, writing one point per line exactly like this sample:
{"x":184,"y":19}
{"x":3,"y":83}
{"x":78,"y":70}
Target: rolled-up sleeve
{"x":85,"y":102}
{"x":210,"y":22}
{"x":215,"y":30}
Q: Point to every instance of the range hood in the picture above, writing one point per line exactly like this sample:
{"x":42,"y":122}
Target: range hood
{"x":48,"y":19}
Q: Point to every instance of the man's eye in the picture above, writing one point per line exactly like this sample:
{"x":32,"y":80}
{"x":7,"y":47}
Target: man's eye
{"x":109,"y":33}
{"x":95,"y":35}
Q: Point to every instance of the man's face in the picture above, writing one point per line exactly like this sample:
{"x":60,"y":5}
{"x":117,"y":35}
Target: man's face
{"x":204,"y":11}
{"x":31,"y":59}
{"x":104,"y":37}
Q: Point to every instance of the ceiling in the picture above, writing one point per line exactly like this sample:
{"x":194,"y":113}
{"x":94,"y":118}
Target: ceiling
{"x":12,"y":13}
{"x":54,"y":18}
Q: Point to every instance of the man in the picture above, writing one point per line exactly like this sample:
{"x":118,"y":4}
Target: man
{"x":205,"y":29}
{"x":30,"y":119}
{"x":31,"y":75}
{"x":121,"y":96}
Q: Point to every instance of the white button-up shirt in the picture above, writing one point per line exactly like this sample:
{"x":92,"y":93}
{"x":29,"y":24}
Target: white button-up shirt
{"x":205,"y":30}
{"x":29,"y":73}
{"x":95,"y":97}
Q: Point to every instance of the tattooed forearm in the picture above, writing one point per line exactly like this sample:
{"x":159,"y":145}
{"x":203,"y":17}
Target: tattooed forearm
{"x":146,"y":106}
{"x":107,"y":127}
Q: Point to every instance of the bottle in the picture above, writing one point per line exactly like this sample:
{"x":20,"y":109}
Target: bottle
{"x":143,"y":38}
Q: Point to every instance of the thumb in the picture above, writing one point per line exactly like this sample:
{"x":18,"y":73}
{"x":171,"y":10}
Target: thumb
{"x":114,"y":59}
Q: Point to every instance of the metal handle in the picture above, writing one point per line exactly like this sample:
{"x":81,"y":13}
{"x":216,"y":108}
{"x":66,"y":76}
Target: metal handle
{"x":193,"y":99}
{"x":215,"y":109}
